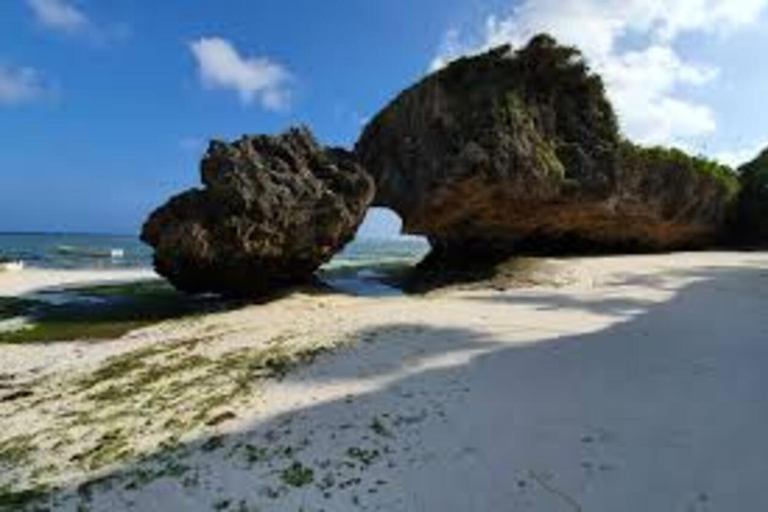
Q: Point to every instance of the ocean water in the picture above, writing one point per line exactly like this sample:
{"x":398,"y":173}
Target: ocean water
{"x":83,"y":251}
{"x":75,"y":251}
{"x":376,"y":253}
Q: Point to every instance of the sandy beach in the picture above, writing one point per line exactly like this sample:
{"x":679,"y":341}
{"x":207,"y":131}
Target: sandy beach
{"x":33,"y":280}
{"x":629,"y":383}
{"x":468,"y":256}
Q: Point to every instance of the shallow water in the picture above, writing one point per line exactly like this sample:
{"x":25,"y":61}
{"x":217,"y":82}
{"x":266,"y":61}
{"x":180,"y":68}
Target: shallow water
{"x":356,"y":269}
{"x":75,"y":251}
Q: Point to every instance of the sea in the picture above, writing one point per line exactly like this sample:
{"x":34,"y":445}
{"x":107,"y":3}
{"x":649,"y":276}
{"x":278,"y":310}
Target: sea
{"x":97,"y":251}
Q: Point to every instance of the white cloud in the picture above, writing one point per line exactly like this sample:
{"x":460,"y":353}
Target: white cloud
{"x":59,"y":15}
{"x":64,"y":16}
{"x":740,"y":156}
{"x":20,"y":85}
{"x":642,"y":85}
{"x":222,"y":67}
{"x":645,"y":82}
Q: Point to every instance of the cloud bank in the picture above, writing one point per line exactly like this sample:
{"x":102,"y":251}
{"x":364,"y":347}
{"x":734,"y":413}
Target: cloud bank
{"x":221,"y":66}
{"x":631,"y":43}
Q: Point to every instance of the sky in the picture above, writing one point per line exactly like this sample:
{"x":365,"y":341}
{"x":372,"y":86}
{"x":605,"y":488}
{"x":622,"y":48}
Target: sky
{"x":106,"y":106}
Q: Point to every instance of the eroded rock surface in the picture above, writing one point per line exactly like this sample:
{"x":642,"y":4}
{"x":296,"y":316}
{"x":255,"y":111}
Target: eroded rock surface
{"x":272,"y":210}
{"x":511,"y":151}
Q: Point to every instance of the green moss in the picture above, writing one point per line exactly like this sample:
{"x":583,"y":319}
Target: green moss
{"x":166,"y":390}
{"x":254,"y":454}
{"x":379,"y":428}
{"x":63,"y":331}
{"x":11,"y":307}
{"x":365,"y":457}
{"x":212,"y":444}
{"x":171,"y":468}
{"x":246,"y":365}
{"x":119,"y":367}
{"x":16,"y":450}
{"x":121,"y":309}
{"x":519,"y":116}
{"x":516,"y":110}
{"x":546,"y":159}
{"x":222,"y":505}
{"x":243,"y":506}
{"x":146,"y":375}
{"x":155,"y":288}
{"x":112,"y":447}
{"x":297,"y":475}
{"x":16,"y":501}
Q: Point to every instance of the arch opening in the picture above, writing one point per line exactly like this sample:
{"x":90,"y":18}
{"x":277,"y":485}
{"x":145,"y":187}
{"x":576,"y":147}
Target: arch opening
{"x":378,"y":252}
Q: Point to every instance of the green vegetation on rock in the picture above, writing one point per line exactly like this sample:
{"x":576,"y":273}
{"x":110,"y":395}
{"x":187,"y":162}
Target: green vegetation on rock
{"x":517,"y":151}
{"x":671,"y":160}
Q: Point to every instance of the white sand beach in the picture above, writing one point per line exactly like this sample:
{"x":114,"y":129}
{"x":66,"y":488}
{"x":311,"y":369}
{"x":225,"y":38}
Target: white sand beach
{"x":631,"y":383}
{"x":32,"y":280}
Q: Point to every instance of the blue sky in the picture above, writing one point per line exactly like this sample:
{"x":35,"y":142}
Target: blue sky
{"x":105,"y":105}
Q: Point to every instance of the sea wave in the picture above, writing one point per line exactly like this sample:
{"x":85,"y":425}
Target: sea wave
{"x":90,"y":252}
{"x":367,"y":263}
{"x":74,"y":251}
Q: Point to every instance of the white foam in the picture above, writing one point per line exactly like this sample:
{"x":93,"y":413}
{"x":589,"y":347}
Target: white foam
{"x":12,"y":266}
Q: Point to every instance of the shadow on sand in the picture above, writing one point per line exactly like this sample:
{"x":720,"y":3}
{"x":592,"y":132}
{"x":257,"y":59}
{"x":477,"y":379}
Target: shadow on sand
{"x":107,"y":312}
{"x":664,"y":409}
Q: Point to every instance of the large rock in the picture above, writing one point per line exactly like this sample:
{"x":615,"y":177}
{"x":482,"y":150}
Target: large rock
{"x":272,"y":211}
{"x":510,"y":151}
{"x":751,"y":220}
